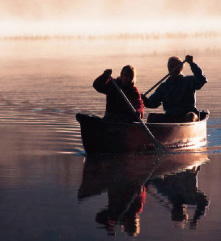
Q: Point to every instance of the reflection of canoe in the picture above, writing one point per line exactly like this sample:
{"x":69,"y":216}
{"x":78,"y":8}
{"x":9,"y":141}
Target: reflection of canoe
{"x":100,"y":136}
{"x":100,"y":173}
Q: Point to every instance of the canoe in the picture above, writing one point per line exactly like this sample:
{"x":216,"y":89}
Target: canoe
{"x":100,"y":136}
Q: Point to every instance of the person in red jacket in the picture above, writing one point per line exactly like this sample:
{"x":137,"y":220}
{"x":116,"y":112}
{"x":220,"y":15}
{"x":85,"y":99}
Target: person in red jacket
{"x":116,"y":107}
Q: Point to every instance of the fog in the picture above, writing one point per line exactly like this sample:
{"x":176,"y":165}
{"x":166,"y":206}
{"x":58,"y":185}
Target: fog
{"x":19,"y":17}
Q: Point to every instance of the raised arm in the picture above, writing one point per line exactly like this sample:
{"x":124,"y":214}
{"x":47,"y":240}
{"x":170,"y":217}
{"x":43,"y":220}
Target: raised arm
{"x":198,"y":77}
{"x":100,"y":84}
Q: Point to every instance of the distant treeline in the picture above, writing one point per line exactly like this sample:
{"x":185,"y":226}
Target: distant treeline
{"x":121,"y":36}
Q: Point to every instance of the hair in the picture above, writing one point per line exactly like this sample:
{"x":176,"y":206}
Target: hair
{"x":130,"y":70}
{"x":176,"y":59}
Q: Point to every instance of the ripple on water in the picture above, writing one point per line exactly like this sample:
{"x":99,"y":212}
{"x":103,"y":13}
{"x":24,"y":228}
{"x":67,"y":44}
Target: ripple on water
{"x":42,"y":132}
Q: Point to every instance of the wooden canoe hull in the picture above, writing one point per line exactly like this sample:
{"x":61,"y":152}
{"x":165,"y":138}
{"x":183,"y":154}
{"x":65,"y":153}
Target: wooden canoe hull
{"x":106,"y":137}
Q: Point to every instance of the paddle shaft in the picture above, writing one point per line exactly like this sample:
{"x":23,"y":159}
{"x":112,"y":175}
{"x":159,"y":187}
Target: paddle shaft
{"x":165,"y":77}
{"x":157,"y":144}
{"x":155,"y":165}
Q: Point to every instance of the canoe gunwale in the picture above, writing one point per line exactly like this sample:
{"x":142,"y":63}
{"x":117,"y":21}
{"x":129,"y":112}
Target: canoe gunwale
{"x":153,"y":124}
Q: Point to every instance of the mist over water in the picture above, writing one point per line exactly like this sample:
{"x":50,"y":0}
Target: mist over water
{"x":75,"y":17}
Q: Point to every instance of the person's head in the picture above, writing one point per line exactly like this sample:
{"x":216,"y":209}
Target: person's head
{"x":128,"y":75}
{"x":173,"y":62}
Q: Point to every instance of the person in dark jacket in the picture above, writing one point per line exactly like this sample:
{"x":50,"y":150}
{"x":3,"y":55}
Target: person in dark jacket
{"x":116,"y":107}
{"x":178,"y":92}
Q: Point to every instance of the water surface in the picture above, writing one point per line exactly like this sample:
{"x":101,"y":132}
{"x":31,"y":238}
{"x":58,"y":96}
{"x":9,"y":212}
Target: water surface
{"x":51,"y":191}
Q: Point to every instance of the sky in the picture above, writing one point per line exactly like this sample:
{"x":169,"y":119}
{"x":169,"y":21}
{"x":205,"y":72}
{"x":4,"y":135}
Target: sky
{"x":46,"y":17}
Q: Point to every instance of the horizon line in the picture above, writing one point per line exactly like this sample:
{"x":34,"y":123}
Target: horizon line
{"x":123,"y":35}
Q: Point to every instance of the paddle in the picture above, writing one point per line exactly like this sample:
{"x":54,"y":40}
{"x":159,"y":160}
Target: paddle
{"x":166,"y":76}
{"x":158,"y":146}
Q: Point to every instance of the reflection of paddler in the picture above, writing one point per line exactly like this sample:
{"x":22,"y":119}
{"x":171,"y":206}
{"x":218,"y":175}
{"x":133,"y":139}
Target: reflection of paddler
{"x":181,"y":190}
{"x":118,"y":199}
{"x":126,"y":195}
{"x":131,"y":220}
{"x":123,"y":178}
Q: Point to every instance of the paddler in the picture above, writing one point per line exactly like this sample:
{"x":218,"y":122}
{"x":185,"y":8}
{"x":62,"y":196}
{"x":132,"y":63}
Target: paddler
{"x":178,"y":92}
{"x":116,"y":108}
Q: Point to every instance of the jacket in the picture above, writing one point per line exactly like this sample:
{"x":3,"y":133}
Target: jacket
{"x":115,"y":104}
{"x":178,"y":95}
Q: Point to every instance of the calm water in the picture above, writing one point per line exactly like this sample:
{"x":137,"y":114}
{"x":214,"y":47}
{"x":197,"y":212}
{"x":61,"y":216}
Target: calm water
{"x":49,"y":190}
